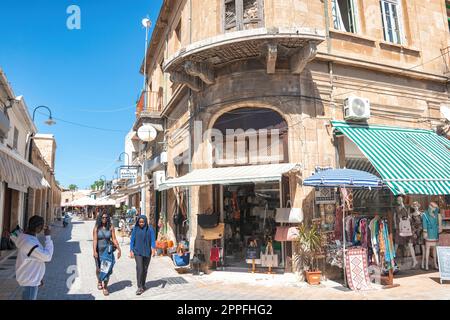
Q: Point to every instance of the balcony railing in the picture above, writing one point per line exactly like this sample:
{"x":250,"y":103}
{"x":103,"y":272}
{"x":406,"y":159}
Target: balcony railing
{"x":149,"y":101}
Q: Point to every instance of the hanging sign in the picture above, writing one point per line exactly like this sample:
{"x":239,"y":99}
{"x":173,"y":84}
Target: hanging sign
{"x":128,"y":173}
{"x":443,"y":254}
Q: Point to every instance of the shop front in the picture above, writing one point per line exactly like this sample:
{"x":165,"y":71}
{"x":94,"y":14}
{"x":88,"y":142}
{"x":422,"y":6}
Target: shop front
{"x":396,"y":228}
{"x":245,"y":203}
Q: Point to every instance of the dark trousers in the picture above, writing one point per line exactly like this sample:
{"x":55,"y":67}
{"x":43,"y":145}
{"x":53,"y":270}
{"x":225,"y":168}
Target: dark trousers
{"x":141,"y":270}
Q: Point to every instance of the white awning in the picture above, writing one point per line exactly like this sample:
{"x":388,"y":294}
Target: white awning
{"x":131,"y":189}
{"x":230,"y":175}
{"x":18,"y":171}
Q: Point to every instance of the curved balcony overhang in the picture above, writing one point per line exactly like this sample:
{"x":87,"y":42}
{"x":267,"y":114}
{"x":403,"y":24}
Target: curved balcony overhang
{"x":197,"y":62}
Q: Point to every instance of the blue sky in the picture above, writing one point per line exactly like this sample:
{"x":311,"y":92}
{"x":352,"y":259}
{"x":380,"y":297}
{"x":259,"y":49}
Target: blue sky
{"x":88,"y":76}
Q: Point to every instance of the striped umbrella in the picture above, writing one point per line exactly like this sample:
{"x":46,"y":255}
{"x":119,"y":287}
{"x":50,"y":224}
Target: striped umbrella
{"x":347,"y":178}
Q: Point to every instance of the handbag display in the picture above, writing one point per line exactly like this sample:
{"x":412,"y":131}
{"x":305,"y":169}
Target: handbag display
{"x":162,"y":245}
{"x":181,"y":260}
{"x":208,"y":220}
{"x":269,"y":259}
{"x":212,"y":233}
{"x":405,"y":228}
{"x":286,"y":234}
{"x":289,"y":214}
{"x":293,"y":234}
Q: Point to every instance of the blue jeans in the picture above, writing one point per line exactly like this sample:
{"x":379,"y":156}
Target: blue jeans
{"x":30,"y":293}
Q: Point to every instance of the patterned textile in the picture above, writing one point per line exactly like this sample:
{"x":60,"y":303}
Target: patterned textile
{"x":357,"y":269}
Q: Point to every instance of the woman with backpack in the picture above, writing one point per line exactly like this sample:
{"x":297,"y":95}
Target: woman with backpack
{"x":105,"y":242}
{"x":142,"y":248}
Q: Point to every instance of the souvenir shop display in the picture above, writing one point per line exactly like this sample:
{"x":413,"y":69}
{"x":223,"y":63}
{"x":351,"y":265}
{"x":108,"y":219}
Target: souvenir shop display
{"x":181,"y":257}
{"x":432,"y":226}
{"x":212,"y":233}
{"x":357,"y":269}
{"x":268,"y":258}
{"x":355,"y":233}
{"x":253,"y":255}
{"x":444,"y":207}
{"x":403,"y":229}
{"x":248,"y":214}
{"x":216,"y":255}
{"x":208,"y":219}
{"x":289,"y":215}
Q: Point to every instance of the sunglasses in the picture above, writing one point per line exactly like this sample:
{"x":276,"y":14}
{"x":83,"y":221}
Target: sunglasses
{"x":104,"y":217}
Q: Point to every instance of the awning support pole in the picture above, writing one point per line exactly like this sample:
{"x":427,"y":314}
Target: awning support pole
{"x":343,"y":239}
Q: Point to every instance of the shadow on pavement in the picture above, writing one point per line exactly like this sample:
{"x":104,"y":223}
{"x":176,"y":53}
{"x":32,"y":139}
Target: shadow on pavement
{"x":62,"y":272}
{"x":155,"y":284}
{"x":119,"y":286}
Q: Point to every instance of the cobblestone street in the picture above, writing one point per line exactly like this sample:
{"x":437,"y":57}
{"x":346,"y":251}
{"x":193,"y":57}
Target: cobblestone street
{"x":71,"y":276}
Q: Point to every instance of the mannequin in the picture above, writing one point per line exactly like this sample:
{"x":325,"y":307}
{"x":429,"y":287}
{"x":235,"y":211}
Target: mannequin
{"x":402,"y":217}
{"x":432,"y":226}
{"x":417,"y":229}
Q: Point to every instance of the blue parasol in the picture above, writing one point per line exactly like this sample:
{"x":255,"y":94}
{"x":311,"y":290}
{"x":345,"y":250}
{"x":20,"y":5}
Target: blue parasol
{"x":344,"y":178}
{"x":348,"y":178}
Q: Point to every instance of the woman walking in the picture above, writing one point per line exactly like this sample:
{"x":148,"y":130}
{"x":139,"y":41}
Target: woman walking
{"x":104,"y":235}
{"x":142,"y":247}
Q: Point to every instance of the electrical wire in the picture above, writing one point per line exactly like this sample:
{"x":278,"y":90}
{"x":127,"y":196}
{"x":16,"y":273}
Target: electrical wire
{"x":102,"y":110}
{"x":84,"y":125}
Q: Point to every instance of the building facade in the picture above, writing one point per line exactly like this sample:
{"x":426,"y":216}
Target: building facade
{"x":17,"y":174}
{"x":45,"y":202}
{"x":283,"y":70}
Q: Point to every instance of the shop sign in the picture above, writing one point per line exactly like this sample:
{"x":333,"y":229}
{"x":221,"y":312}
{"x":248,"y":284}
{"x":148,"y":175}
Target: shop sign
{"x":443,"y":254}
{"x":128,"y":173}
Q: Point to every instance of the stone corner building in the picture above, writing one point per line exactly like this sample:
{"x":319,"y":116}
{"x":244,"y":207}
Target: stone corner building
{"x":45,"y":202}
{"x":286,"y":65}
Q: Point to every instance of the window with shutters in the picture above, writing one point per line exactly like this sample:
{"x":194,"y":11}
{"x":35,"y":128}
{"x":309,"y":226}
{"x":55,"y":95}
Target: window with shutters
{"x":16,"y":138}
{"x":391,"y":18}
{"x":345,"y":15}
{"x":243,"y":14}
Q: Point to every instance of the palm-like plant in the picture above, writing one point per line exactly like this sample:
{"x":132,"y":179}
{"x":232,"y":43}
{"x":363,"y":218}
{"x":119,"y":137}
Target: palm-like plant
{"x":307,"y":247}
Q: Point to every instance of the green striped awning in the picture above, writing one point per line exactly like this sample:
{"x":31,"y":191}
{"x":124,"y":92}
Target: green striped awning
{"x":410,"y":161}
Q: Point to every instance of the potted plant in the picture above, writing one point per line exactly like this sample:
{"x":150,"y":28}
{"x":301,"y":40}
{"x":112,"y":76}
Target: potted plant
{"x":306,"y":249}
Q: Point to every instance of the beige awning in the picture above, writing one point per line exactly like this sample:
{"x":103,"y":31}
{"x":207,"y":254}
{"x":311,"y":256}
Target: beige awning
{"x":131,"y":189}
{"x":230,"y":175}
{"x":18,"y":171}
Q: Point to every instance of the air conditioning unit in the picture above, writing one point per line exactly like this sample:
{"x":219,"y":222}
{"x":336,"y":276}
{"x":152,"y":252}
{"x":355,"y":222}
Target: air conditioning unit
{"x":159,"y":177}
{"x":356,"y":108}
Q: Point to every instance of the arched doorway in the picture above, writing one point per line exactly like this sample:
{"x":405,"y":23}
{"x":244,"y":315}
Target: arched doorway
{"x":249,"y":137}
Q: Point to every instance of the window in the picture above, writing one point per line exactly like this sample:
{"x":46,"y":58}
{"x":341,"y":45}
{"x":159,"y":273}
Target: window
{"x":242,"y":14}
{"x":178,"y":36}
{"x":16,"y":138}
{"x":390,"y":13}
{"x":345,"y":15}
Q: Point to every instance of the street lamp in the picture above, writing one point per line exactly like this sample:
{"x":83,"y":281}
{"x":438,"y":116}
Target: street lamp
{"x":120,"y":157}
{"x":50,"y":120}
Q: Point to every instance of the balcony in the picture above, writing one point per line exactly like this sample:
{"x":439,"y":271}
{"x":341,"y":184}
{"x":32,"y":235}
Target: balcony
{"x":195,"y":65}
{"x":148,"y":109}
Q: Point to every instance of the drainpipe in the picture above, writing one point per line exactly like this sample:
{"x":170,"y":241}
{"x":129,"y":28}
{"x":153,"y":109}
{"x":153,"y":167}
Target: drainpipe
{"x":190,"y":21}
{"x":327,"y":25}
{"x":189,"y":199}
